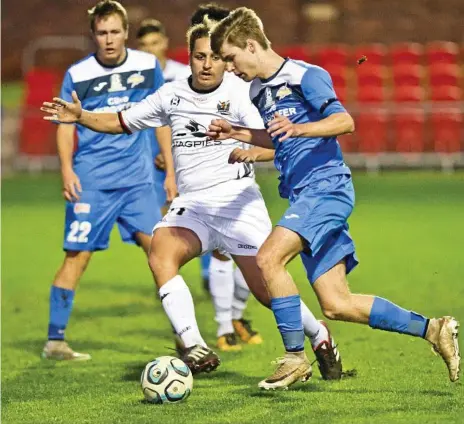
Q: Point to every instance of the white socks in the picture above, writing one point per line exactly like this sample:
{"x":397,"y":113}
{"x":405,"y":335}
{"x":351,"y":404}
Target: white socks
{"x":241,"y":294}
{"x":178,"y":304}
{"x":313,"y":328}
{"x":221,"y":286}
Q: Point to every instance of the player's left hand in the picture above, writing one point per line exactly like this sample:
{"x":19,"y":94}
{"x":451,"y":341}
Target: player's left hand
{"x":242,"y":156}
{"x":159,"y":162}
{"x":170,"y":187}
{"x":281,"y":125}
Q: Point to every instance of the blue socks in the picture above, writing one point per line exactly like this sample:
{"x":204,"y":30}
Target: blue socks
{"x":205,"y":261}
{"x":390,"y":317}
{"x":61,"y":303}
{"x":287,"y":312}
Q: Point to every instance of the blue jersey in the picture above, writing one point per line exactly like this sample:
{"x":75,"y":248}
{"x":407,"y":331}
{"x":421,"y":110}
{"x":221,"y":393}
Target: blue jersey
{"x":106,"y":161}
{"x":304,"y":93}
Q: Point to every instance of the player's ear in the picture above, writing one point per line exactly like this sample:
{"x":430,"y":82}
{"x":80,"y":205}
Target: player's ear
{"x":251,"y":46}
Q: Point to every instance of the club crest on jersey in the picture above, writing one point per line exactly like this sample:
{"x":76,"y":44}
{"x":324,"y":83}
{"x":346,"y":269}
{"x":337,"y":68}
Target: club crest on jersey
{"x":135,"y":79}
{"x":224,"y":108}
{"x":283,"y":91}
{"x":269,"y":99}
{"x":116,"y":83}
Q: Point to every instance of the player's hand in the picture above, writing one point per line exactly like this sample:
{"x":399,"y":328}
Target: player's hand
{"x":242,"y":156}
{"x":63,"y":111}
{"x":282,"y":125}
{"x":219,"y":129}
{"x":170,"y":187}
{"x":71,"y":185}
{"x":159,"y":162}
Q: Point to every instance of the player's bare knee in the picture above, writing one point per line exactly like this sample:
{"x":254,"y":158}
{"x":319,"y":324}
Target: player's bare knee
{"x":266,"y":262}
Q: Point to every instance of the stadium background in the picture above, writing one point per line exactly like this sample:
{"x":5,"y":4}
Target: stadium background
{"x":408,"y":223}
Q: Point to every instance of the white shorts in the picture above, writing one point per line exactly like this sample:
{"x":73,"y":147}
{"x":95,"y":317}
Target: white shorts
{"x":230,"y":222}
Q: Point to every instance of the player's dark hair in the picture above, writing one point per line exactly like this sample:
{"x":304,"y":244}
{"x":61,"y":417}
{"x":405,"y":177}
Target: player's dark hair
{"x":106,"y":8}
{"x":196,"y":32}
{"x":214,"y":12}
{"x":150,"y":26}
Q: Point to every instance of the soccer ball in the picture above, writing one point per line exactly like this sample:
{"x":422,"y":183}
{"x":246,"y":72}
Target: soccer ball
{"x":166,"y":380}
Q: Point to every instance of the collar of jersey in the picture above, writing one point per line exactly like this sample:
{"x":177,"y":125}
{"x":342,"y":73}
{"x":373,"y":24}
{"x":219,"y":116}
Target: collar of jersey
{"x":112,"y":66}
{"x":201,"y":91}
{"x":276,"y":72}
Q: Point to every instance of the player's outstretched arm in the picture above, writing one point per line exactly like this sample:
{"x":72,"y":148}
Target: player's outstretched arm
{"x":71,"y":112}
{"x":220,"y":129}
{"x":332,"y":126}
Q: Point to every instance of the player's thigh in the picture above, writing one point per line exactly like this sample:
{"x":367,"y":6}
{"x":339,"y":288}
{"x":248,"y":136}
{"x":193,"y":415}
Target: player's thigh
{"x":139,"y":212}
{"x":88,"y":223}
{"x":253,"y":277}
{"x":280,"y":248}
{"x":183,"y":231}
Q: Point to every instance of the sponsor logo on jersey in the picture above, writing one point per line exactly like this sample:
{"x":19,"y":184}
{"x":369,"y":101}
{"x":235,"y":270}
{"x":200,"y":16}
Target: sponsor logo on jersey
{"x":224,"y":108}
{"x":196,"y":143}
{"x":195,"y":128}
{"x":81,"y":208}
{"x":135,"y":79}
{"x":283,"y":91}
{"x":116,"y":83}
{"x":100,"y":86}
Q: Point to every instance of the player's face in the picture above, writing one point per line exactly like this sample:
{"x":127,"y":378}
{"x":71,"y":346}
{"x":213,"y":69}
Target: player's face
{"x":110,"y":38}
{"x":154,"y":43}
{"x":242,"y":62}
{"x":207,"y":67}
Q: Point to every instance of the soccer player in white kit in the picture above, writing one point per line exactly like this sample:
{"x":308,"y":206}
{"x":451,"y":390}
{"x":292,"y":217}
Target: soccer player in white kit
{"x":228,"y":289}
{"x":219,"y":204}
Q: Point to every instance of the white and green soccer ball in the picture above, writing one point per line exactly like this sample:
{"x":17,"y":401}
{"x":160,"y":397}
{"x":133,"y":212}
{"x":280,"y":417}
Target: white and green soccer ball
{"x":166,"y":380}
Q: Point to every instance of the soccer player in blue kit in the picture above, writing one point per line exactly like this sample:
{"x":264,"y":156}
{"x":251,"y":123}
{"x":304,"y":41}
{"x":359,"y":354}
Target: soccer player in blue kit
{"x":303,"y":118}
{"x":109,"y":179}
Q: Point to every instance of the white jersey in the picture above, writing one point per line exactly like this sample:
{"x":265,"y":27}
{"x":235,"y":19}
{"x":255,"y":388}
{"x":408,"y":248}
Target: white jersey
{"x":199,"y":163}
{"x":174,"y":71}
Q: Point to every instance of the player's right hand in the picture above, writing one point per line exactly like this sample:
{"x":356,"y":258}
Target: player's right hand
{"x":219,"y":129}
{"x":170,"y":187}
{"x":239,"y":155}
{"x":71,"y":185}
{"x":62,"y":111}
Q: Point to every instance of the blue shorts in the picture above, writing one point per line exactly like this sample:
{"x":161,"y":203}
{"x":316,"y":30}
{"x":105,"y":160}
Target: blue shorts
{"x":318,"y":213}
{"x":89,"y":222}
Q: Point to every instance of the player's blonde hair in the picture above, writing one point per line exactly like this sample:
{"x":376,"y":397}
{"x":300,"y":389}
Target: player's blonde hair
{"x":241,"y":25}
{"x":106,"y":8}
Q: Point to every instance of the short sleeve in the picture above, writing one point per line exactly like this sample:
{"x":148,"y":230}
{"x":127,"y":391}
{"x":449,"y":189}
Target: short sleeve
{"x":149,"y":113}
{"x":318,"y":91}
{"x":67,"y":87}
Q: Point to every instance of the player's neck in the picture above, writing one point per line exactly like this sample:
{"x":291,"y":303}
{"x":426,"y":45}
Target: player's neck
{"x":114,"y":62}
{"x":270,"y":63}
{"x":162,"y":61}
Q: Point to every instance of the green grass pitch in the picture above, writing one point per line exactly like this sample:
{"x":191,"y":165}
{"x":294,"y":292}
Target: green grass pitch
{"x":409,"y":231}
